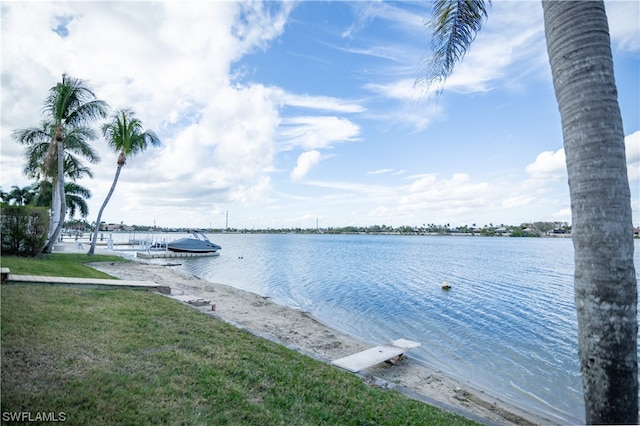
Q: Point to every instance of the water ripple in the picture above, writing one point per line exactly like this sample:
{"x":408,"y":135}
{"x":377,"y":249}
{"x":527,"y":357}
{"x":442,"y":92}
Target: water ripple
{"x":507,"y":325}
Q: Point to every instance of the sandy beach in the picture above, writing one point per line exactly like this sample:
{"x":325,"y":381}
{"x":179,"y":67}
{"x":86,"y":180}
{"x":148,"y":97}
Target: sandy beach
{"x":301,"y":332}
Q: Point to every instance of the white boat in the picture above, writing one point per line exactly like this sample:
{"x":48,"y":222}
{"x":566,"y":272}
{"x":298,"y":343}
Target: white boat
{"x":198,"y":244}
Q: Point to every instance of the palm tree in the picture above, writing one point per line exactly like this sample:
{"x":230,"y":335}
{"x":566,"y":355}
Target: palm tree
{"x":40,"y":167}
{"x":21,"y":196}
{"x":41,"y":164}
{"x":124,"y":134}
{"x":579,"y":49}
{"x":75,"y":197}
{"x":68,"y":110}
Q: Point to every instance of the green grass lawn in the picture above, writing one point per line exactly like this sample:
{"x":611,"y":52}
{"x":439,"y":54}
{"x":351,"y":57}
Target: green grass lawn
{"x":58,"y":265}
{"x":119,"y":357}
{"x":123,"y":357}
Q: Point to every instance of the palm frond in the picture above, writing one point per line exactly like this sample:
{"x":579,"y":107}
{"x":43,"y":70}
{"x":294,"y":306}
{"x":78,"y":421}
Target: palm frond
{"x":75,"y":189}
{"x":76,"y":141}
{"x":455,"y":25}
{"x":71,"y":103}
{"x":125,"y":134}
{"x":88,"y":112}
{"x":74,"y":169}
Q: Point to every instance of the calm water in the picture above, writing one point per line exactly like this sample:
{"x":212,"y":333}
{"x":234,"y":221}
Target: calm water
{"x":507,"y":326}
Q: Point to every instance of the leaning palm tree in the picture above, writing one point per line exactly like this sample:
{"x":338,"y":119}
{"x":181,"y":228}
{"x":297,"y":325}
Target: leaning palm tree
{"x":125,"y":135}
{"x":579,"y":49}
{"x":69,"y":109}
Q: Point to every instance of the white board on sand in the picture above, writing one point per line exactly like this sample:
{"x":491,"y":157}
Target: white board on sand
{"x":370,"y":357}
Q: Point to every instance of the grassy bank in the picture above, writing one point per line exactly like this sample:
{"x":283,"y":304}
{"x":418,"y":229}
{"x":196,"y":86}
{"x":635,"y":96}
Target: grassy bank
{"x":119,"y":357}
{"x":58,"y":265}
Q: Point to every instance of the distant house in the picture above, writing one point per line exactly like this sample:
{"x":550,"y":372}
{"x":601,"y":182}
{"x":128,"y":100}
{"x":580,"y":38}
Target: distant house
{"x":82,"y":227}
{"x":118,"y":227}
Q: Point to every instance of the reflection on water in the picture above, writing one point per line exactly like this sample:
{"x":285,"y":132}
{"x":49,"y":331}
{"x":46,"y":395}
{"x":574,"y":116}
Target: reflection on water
{"x":506,"y":326}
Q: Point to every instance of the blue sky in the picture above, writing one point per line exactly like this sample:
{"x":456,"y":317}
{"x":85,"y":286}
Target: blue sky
{"x":284,"y":114}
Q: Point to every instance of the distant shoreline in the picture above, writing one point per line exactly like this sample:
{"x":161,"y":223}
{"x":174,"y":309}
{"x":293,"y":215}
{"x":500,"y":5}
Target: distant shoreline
{"x":533,"y":229}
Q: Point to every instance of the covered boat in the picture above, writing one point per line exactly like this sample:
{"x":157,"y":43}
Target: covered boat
{"x":198,"y":244}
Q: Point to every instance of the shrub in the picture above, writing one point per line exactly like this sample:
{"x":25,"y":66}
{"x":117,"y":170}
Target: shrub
{"x":23,"y":229}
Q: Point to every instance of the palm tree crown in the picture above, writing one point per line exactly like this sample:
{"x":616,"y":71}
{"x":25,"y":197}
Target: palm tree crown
{"x":71,"y":104}
{"x":21,"y":196}
{"x":42,"y":155}
{"x":125,"y":135}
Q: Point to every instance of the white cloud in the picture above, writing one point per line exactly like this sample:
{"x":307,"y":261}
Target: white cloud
{"x":551,"y":166}
{"x":404,"y":89}
{"x":306,"y":161}
{"x":318,"y":102}
{"x":169,"y":62}
{"x":563,"y":215}
{"x":632,"y":146}
{"x":315,"y":132}
{"x":548,"y":165}
{"x":380,"y":172}
{"x":623,"y":19}
{"x":518,"y":200}
{"x":222,"y":141}
{"x":458,"y":189}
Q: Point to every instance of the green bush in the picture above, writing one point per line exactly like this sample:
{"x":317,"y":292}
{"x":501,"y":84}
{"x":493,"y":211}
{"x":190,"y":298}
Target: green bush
{"x":23,"y":229}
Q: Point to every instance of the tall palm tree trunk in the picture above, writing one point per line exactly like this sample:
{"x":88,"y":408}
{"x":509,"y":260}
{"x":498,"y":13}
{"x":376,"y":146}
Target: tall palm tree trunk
{"x":55,"y":208}
{"x":63,"y":205}
{"x":94,"y":240}
{"x":579,"y":50}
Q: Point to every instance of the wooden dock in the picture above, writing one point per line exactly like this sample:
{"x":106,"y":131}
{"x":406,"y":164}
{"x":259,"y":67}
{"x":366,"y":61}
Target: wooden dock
{"x":171,"y":255}
{"x":373,"y":356}
{"x":96,"y":283}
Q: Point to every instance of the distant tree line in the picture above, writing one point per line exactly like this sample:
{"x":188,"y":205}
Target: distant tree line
{"x":533,"y":229}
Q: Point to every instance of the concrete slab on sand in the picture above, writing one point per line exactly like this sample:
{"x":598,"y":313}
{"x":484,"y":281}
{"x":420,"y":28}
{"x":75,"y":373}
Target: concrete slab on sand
{"x":370,"y":357}
{"x":87,"y":283}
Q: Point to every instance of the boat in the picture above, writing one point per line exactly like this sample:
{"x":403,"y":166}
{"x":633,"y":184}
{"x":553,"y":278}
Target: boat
{"x":198,"y":244}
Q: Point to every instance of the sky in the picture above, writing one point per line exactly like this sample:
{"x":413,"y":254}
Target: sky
{"x":305,"y":114}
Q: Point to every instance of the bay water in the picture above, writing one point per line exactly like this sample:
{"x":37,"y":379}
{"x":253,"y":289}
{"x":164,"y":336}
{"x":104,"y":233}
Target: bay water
{"x":507,"y":326}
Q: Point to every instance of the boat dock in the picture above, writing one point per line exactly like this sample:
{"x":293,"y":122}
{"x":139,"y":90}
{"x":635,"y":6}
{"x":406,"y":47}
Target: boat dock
{"x":172,"y":255}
